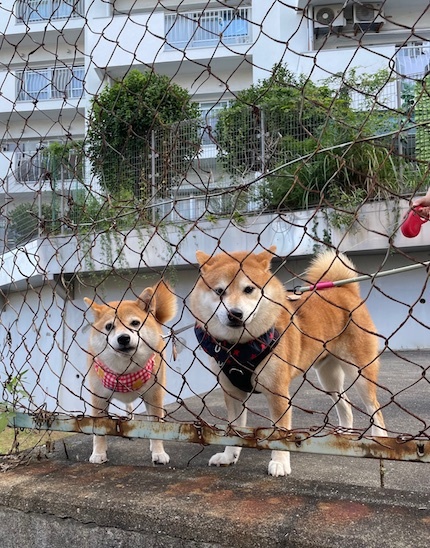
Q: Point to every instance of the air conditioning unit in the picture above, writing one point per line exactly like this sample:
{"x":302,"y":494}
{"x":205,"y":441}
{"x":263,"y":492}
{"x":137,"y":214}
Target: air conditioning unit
{"x":367,"y":13}
{"x":328,"y":16}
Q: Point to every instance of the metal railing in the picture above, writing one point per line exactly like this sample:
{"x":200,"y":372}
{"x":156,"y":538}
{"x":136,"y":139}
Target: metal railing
{"x":413,"y":61}
{"x":196,"y":29}
{"x":50,"y":83}
{"x":30,"y":11}
{"x":33,"y":166}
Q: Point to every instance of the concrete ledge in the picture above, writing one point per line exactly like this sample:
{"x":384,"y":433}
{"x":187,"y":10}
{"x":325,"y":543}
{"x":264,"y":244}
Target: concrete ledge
{"x":64,"y":501}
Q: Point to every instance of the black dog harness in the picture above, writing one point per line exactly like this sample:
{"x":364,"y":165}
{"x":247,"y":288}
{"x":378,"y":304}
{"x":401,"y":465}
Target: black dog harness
{"x":238,"y":361}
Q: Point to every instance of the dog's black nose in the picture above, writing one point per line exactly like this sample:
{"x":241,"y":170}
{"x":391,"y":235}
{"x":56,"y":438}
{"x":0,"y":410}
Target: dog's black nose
{"x":235,"y":315}
{"x":123,"y":340}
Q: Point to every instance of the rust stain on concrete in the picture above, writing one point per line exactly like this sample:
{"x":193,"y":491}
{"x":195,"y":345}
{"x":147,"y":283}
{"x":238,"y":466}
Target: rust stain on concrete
{"x":231,"y":504}
{"x":344,"y":512}
{"x":202,"y":485}
{"x":254,"y":509}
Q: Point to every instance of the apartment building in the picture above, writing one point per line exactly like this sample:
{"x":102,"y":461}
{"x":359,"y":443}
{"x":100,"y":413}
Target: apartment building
{"x":55,"y":56}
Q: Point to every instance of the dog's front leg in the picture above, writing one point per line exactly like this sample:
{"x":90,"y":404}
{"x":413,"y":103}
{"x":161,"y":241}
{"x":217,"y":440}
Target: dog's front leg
{"x":280,"y":411}
{"x":99,"y":454}
{"x":236,"y":412}
{"x":155,"y":412}
{"x":98,"y":409}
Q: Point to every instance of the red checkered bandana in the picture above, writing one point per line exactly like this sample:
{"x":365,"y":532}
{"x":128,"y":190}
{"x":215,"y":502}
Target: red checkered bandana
{"x":124,"y":383}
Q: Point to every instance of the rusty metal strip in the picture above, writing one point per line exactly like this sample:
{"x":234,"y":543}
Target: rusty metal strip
{"x":323,"y":442}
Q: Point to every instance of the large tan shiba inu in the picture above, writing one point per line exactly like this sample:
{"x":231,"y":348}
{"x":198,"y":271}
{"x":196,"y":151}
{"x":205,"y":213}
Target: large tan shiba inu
{"x":260,"y":338}
{"x":126,"y":361}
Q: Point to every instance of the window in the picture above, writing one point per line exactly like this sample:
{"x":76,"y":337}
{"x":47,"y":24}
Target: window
{"x":29,"y":11}
{"x":29,"y":165}
{"x":50,"y":83}
{"x":205,"y":29}
{"x":209,"y":113}
{"x":413,"y":60}
{"x":34,"y":160}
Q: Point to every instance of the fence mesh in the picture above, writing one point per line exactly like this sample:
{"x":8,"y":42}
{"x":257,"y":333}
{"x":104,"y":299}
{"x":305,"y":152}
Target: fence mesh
{"x":135,"y":134}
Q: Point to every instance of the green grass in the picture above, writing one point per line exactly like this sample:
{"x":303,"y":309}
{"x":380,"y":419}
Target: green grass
{"x":26,"y":439}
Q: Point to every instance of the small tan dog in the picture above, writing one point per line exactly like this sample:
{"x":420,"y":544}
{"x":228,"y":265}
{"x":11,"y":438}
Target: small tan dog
{"x":126,"y":359}
{"x":260,"y":338}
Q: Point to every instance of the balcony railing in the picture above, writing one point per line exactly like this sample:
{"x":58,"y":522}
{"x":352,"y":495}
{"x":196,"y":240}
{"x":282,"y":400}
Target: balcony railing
{"x":30,"y":167}
{"x":29,"y":11}
{"x":50,"y":83}
{"x":413,"y":61}
{"x":40,"y":165}
{"x":197,"y":29}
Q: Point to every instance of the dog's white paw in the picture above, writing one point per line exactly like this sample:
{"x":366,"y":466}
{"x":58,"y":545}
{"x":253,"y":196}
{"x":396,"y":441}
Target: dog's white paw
{"x":160,"y":458}
{"x":222,"y":459}
{"x":98,"y":458}
{"x":279,"y":468}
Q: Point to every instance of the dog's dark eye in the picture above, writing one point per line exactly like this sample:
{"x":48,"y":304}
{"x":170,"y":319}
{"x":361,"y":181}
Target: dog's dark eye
{"x":108,"y":326}
{"x":219,"y":291}
{"x":135,"y":323}
{"x":248,"y":289}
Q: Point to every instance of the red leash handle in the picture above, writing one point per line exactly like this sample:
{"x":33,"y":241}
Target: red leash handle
{"x":411,"y":225}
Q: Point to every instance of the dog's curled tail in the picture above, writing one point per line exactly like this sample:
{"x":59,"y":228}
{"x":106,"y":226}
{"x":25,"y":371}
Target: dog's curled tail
{"x":165,"y":302}
{"x":160,"y":300}
{"x":333,"y":267}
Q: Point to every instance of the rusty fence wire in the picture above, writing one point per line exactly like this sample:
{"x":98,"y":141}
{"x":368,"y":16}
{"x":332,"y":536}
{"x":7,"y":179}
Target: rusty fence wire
{"x":147,"y":141}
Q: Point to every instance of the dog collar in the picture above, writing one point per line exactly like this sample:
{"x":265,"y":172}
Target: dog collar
{"x":238,"y":361}
{"x":123,"y":383}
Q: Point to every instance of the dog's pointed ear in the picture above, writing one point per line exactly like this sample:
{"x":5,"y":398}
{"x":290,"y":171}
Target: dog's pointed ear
{"x":266,"y":256}
{"x":95,"y":308}
{"x":202,"y":258}
{"x":146,"y":300}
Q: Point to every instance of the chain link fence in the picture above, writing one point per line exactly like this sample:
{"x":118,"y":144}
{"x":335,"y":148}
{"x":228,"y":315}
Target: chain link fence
{"x":135,"y":134}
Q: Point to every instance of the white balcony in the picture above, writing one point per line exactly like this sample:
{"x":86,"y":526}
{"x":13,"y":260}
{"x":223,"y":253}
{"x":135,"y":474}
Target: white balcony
{"x":44,"y":22}
{"x":32,"y":94}
{"x":197,"y":29}
{"x":50,"y":83}
{"x":43,"y":94}
{"x":143,"y":42}
{"x":413,"y":61}
{"x":29,"y":11}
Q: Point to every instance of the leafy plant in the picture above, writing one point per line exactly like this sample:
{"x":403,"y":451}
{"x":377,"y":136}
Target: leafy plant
{"x":25,"y":222}
{"x":64,"y":160}
{"x":14,"y":388}
{"x":119,"y":136}
{"x":318,"y":143}
{"x":269,"y":122}
{"x":91,"y":213}
{"x":422,"y":114}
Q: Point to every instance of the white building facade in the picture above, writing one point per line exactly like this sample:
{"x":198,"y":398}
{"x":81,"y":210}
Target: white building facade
{"x":56,"y":56}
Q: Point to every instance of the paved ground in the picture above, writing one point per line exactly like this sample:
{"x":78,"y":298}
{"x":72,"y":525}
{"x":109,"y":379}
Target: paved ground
{"x":62,"y":500}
